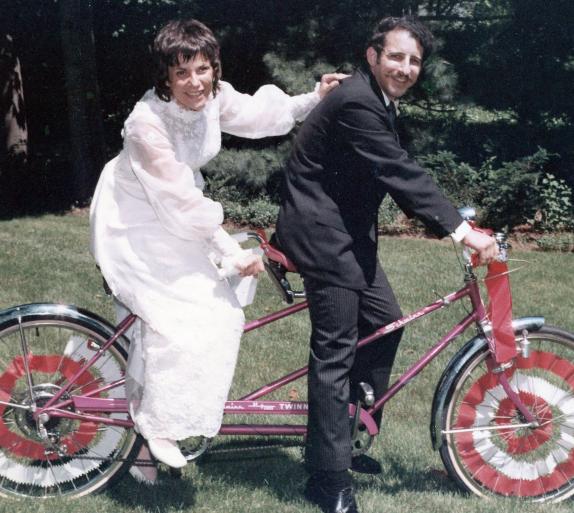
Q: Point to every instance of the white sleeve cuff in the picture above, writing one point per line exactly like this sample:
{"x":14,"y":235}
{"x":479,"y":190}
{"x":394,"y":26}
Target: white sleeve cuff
{"x":461,"y":232}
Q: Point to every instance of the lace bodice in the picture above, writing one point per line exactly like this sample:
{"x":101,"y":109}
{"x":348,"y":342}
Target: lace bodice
{"x":196,"y":135}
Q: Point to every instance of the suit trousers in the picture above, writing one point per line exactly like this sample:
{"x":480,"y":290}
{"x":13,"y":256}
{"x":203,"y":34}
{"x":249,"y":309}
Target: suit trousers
{"x":339,"y":318}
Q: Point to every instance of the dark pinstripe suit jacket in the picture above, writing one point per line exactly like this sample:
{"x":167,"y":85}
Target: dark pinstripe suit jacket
{"x":345,"y":159}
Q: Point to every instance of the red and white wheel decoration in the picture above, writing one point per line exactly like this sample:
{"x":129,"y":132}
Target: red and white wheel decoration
{"x":522,"y":461}
{"x":27,"y":459}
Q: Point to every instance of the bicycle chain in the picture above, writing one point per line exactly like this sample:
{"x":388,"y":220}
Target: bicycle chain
{"x":285,"y":445}
{"x":235,"y":450}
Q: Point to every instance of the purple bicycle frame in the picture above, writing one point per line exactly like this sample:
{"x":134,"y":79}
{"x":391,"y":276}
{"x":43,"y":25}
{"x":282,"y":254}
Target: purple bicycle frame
{"x":87,"y":406}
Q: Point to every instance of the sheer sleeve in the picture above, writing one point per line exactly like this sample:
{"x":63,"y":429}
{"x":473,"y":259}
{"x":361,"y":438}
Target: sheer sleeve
{"x":169,"y":185}
{"x":224,"y":244}
{"x":268,"y":112}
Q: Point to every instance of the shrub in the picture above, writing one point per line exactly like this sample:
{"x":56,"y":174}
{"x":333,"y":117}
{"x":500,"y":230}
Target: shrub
{"x":556,"y":242}
{"x":246,"y":182}
{"x":555,"y":211}
{"x":511,"y":194}
{"x":260,"y":212}
{"x":514,"y":193}
{"x":457,"y":181}
{"x":249,"y":172}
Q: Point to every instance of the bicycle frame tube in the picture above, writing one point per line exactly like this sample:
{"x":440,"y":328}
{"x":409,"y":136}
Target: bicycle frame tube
{"x":250,"y":403}
{"x":477,"y":315}
{"x":121,"y":329}
{"x":275,"y":316}
{"x":423,"y":362}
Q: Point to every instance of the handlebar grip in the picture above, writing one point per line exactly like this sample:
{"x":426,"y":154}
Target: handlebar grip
{"x":501,"y":241}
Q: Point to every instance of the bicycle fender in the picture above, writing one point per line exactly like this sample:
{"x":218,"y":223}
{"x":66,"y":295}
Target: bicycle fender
{"x":457,"y":363}
{"x":37,"y":311}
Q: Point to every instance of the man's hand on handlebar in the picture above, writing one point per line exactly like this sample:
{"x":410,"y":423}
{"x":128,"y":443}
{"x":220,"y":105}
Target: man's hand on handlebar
{"x":484,"y":245}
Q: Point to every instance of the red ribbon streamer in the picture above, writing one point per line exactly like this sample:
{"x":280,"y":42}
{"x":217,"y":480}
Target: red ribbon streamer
{"x":500,"y":311}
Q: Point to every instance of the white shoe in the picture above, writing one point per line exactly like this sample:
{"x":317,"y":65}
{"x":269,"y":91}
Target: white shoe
{"x":167,"y":452}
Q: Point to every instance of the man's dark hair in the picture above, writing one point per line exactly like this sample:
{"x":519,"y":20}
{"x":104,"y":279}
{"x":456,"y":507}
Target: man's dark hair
{"x":409,"y":23}
{"x":183,"y":40}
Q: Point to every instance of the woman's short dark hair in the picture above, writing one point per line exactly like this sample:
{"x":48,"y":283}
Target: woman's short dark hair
{"x":183,"y":40}
{"x":409,"y":23}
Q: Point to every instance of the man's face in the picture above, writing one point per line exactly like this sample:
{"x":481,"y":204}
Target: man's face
{"x":399,"y":64}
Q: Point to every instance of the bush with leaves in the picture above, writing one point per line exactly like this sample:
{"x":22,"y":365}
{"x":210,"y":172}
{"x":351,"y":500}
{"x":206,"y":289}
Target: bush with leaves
{"x":555,"y":211}
{"x":457,"y":180}
{"x":563,"y":242}
{"x":512,"y":193}
{"x":246,"y":182}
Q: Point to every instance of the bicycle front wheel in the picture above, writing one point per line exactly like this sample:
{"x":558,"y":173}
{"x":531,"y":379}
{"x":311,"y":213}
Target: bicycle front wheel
{"x":488,"y":447}
{"x":70,"y":457}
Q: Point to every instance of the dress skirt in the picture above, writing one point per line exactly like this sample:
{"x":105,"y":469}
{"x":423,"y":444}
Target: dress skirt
{"x":184,"y":350}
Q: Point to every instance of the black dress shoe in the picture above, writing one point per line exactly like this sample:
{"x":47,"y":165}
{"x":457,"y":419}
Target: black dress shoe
{"x":365,"y":465}
{"x":339,"y":502}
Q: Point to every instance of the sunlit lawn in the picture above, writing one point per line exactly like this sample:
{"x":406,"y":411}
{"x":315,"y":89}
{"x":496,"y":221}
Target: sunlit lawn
{"x":47,"y":259}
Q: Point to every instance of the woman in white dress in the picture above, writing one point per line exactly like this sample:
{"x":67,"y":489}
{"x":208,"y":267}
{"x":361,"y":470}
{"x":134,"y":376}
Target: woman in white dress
{"x":156,"y":236}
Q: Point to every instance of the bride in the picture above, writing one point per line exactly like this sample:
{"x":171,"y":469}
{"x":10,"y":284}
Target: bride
{"x":155,"y":236}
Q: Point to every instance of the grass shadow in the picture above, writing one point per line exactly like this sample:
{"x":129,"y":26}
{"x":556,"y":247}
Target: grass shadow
{"x":400,"y":476}
{"x":277,"y":470}
{"x":283,"y":473}
{"x":170,"y":493}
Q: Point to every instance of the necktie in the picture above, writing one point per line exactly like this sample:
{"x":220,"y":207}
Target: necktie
{"x":391,"y":109}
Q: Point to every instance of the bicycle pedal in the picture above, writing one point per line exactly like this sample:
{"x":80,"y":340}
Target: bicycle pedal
{"x":366,"y":394}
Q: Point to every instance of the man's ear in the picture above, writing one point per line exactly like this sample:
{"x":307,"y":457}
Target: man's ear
{"x":372,"y":56}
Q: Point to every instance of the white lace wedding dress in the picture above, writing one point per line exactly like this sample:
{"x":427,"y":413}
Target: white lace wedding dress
{"x":153,"y":234}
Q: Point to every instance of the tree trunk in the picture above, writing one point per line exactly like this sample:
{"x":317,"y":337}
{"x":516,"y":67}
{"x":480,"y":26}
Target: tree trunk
{"x":84,"y":114}
{"x":13,"y":131}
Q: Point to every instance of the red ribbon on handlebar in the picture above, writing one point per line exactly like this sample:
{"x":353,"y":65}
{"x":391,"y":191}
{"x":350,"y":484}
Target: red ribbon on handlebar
{"x":499,"y":307}
{"x":500,"y":311}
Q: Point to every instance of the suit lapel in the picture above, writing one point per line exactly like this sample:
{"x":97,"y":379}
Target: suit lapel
{"x":370,"y":79}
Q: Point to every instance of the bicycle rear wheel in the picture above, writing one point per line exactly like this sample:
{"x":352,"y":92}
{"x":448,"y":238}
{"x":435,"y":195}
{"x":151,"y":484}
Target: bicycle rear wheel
{"x":77,"y":457}
{"x":483,"y":451}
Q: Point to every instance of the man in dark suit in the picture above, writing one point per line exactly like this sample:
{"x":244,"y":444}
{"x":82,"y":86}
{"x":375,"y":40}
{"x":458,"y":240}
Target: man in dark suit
{"x":346,"y":158}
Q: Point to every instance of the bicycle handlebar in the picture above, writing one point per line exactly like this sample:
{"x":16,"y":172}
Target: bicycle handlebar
{"x":501,"y":238}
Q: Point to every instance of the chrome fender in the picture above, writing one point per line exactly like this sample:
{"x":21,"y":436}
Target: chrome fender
{"x":39,"y":311}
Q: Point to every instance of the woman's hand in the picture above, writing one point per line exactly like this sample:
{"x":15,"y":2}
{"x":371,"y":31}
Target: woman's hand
{"x":251,"y":265}
{"x":329,"y":81}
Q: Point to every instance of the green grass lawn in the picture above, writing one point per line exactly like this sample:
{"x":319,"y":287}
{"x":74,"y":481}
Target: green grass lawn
{"x":47,"y":259}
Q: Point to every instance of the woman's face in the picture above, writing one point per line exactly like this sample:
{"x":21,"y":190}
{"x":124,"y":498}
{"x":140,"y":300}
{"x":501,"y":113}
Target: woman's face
{"x":191,"y":82}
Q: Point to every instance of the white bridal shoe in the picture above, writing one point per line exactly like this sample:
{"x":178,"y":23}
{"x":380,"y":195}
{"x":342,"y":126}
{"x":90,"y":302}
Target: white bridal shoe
{"x":167,"y":452}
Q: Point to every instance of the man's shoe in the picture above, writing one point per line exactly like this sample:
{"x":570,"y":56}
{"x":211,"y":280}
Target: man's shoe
{"x":365,"y":465}
{"x":341,"y":502}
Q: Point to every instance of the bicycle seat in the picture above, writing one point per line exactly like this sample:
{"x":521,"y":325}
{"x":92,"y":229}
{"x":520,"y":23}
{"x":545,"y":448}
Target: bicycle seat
{"x":273,"y":252}
{"x":277,"y":265}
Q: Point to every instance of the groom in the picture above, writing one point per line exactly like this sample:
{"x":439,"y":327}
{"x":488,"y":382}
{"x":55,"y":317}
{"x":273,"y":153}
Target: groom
{"x":346,"y":158}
